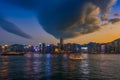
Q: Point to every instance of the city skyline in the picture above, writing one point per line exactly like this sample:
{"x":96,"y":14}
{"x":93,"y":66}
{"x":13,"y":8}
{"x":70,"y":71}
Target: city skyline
{"x":27,"y":21}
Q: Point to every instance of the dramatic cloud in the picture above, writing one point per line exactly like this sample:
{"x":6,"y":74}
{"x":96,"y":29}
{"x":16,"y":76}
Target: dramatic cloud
{"x":75,"y":18}
{"x":68,"y":18}
{"x":10,"y":27}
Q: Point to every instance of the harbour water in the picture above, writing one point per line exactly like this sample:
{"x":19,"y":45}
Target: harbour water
{"x":60,"y":67}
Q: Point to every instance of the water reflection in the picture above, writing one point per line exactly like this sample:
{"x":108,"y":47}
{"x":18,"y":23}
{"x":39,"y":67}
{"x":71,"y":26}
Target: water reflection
{"x":4,"y":68}
{"x":109,"y":66}
{"x":34,"y":66}
{"x":71,"y":70}
{"x":48,"y":66}
{"x":28,"y":67}
{"x":65,"y":55}
{"x":84,"y":67}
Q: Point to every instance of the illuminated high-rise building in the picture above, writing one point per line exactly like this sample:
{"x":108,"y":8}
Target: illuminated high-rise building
{"x":61,"y":43}
{"x":43,"y":47}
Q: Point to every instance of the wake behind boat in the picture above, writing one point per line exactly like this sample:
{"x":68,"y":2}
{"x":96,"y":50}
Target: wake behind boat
{"x":76,"y":57}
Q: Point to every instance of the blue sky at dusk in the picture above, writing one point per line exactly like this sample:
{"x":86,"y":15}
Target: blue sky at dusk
{"x":25,"y":20}
{"x":51,"y":20}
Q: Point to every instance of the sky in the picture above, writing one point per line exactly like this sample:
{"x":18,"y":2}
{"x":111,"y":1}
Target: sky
{"x":44,"y":21}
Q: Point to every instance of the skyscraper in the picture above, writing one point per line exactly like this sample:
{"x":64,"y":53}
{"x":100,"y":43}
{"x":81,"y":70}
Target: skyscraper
{"x":61,"y":43}
{"x":43,"y":47}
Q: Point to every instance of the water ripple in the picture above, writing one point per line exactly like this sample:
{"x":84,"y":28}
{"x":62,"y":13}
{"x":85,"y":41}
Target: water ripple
{"x":60,"y":67}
